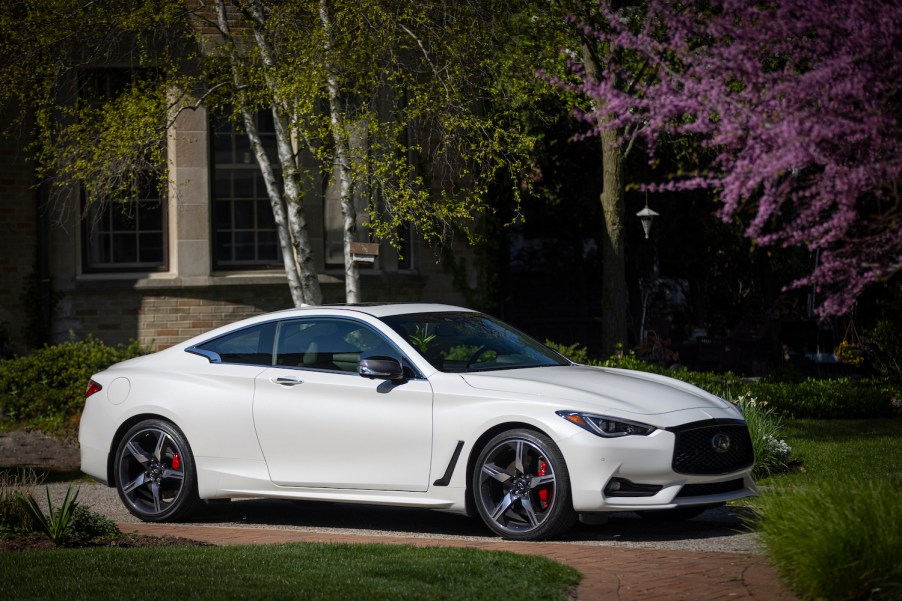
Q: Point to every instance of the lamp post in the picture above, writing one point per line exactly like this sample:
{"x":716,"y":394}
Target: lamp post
{"x":646,"y":216}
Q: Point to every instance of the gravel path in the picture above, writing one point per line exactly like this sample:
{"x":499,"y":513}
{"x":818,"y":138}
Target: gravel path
{"x":717,"y":530}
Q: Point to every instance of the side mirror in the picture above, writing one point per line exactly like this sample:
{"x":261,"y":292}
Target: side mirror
{"x":381,"y":368}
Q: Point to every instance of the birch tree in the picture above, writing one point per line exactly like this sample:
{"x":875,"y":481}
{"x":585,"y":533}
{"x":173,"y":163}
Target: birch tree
{"x":417,"y":81}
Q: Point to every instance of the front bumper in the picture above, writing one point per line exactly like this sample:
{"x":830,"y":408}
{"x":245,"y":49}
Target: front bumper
{"x":640,"y":472}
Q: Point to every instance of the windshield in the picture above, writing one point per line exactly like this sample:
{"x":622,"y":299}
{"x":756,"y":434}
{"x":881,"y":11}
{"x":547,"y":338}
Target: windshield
{"x":468,"y":342}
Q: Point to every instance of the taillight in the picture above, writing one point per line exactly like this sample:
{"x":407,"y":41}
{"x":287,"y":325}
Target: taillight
{"x":92,"y":388}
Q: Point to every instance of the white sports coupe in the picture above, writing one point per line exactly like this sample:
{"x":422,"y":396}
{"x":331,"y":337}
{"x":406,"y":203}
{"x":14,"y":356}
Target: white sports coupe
{"x":419,"y":405}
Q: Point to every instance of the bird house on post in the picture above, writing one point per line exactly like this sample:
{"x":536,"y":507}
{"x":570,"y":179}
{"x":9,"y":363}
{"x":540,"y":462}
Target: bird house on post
{"x":364,"y":252}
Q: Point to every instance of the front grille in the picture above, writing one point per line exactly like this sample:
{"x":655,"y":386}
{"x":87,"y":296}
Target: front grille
{"x":701,"y":447}
{"x":710,"y":488}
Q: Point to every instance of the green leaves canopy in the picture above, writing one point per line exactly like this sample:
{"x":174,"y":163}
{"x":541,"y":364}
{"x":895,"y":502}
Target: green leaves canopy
{"x":432,"y":92}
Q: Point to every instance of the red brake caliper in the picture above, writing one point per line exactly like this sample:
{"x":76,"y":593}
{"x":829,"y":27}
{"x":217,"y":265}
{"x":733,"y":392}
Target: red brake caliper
{"x":176,"y":462}
{"x":544,"y":492}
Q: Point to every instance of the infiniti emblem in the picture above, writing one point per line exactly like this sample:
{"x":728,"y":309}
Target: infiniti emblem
{"x":720,"y":442}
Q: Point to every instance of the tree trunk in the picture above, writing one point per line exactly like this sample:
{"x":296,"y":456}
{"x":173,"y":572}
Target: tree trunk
{"x":614,"y":293}
{"x":342,"y":161}
{"x":291,"y":224}
{"x":298,"y":296}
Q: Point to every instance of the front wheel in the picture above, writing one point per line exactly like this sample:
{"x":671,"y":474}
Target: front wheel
{"x":521,"y":486}
{"x":155,"y":474}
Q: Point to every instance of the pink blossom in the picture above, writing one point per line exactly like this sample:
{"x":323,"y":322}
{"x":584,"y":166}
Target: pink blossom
{"x":800,"y":102}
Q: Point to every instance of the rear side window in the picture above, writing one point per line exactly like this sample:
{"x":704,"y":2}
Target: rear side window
{"x":250,"y":346}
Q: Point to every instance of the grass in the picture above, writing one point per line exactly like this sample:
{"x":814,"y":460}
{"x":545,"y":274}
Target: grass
{"x":293,"y":571}
{"x":833,"y":527}
{"x":835,"y":542}
{"x":836,"y":449}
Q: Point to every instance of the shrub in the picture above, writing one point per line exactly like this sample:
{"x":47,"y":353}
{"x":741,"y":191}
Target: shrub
{"x":841,"y":398}
{"x":838,"y":398}
{"x":836,"y":542}
{"x":47,"y":387}
{"x":575,"y":352}
{"x":87,"y":526}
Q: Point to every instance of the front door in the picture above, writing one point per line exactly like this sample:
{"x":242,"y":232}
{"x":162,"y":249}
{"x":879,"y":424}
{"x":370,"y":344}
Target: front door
{"x":322,"y":425}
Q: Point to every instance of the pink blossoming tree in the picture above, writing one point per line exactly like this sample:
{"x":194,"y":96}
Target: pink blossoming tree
{"x":799,"y":105}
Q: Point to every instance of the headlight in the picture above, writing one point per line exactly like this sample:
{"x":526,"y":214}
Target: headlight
{"x":608,"y":427}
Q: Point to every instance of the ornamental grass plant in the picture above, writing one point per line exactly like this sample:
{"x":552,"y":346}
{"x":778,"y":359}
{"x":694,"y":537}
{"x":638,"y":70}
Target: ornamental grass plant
{"x":836,"y":540}
{"x":766,"y":430}
{"x":14,"y":517}
{"x":56,"y":523}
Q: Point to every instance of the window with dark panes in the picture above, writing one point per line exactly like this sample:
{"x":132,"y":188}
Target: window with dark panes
{"x":128,"y":234}
{"x":244,"y":231}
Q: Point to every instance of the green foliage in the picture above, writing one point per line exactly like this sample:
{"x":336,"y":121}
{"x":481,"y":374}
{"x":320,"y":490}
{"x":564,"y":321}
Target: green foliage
{"x":575,"y":352}
{"x":89,"y":526}
{"x":837,"y":537}
{"x":57,"y":522}
{"x":14,"y":518}
{"x":421,"y":338}
{"x":766,"y":429}
{"x":885,"y":343}
{"x":835,"y":542}
{"x":111,"y":147}
{"x":836,"y":398}
{"x":884,"y":340}
{"x":70,"y":524}
{"x":840,"y":398}
{"x":292,"y":571}
{"x":47,"y":387}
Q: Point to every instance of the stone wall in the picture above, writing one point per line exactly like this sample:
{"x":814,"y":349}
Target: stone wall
{"x":158,"y":317}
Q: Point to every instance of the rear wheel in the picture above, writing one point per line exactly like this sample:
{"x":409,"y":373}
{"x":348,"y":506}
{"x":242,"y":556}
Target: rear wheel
{"x":521,"y":486}
{"x":155,"y":474}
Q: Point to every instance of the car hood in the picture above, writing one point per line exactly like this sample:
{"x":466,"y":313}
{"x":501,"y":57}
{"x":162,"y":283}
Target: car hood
{"x":602,"y":389}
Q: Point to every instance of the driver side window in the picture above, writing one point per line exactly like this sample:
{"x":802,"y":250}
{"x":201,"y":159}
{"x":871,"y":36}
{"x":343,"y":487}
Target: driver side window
{"x":328,"y":344}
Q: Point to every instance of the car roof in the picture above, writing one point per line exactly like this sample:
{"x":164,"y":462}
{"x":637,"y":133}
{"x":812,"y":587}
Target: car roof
{"x":372,"y":309}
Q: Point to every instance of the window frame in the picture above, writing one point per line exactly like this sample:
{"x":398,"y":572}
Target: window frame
{"x":95,"y":215}
{"x":225,"y":200}
{"x":277,"y":325}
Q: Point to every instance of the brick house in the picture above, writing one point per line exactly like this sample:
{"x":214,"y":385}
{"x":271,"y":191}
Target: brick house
{"x":163,"y":270}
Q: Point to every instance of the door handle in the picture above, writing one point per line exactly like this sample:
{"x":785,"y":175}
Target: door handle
{"x":286,"y":381}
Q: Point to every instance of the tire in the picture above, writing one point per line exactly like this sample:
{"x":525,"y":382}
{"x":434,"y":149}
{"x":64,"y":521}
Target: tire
{"x":521,"y":487}
{"x":155,"y":472}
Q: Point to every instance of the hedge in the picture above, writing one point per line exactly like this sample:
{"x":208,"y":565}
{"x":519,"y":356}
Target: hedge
{"x":46,"y":388}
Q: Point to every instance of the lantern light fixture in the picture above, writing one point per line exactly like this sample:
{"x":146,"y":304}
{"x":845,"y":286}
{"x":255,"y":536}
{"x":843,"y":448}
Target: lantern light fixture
{"x":646,"y":216}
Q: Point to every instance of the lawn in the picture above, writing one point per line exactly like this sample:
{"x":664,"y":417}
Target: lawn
{"x":841,"y":449}
{"x":294,"y":571}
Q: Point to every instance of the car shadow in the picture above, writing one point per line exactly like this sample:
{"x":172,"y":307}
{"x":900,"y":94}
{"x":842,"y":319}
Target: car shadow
{"x":620,"y":527}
